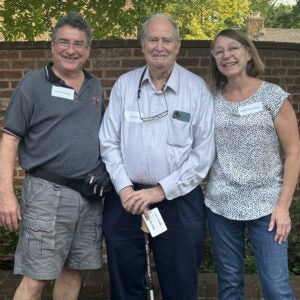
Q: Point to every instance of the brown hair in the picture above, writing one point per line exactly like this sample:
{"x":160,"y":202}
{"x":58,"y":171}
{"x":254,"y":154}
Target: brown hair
{"x":255,"y":66}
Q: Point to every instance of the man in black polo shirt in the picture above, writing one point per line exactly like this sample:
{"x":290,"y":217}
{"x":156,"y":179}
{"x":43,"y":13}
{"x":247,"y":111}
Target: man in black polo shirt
{"x":52,"y":123}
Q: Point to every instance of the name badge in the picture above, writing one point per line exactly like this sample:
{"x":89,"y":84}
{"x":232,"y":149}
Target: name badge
{"x":62,"y":92}
{"x":132,"y":116}
{"x":251,"y":108}
{"x":155,"y":224}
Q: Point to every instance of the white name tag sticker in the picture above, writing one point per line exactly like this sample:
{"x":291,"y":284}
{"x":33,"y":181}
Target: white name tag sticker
{"x":251,"y":108}
{"x":62,"y":92}
{"x":155,"y":223}
{"x":132,"y":116}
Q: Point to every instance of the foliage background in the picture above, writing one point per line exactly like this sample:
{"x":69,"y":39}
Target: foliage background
{"x":119,"y":19}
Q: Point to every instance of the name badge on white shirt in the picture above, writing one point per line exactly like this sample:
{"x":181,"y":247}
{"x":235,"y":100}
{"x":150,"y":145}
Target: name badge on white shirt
{"x":251,"y":108}
{"x":132,"y":116}
{"x":62,"y":92}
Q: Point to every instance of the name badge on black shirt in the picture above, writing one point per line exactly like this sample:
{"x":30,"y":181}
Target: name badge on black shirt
{"x":62,"y":92}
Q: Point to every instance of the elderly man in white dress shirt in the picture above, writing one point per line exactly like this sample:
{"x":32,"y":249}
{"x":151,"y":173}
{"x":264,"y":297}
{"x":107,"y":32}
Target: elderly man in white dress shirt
{"x":157,"y":142}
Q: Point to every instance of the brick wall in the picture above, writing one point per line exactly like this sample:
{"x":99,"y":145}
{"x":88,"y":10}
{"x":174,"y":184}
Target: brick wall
{"x":109,"y":59}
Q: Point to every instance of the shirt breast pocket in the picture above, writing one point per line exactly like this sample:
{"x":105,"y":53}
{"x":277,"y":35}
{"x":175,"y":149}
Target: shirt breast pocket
{"x":178,"y":133}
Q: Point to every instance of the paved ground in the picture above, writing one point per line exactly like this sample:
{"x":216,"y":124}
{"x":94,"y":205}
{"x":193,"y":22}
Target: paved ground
{"x":95,"y":285}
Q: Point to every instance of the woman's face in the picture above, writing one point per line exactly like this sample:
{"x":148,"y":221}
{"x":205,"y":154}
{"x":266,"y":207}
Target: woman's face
{"x":231,"y":56}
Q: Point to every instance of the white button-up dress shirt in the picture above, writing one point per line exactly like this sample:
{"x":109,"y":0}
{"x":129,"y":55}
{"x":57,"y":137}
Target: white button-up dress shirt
{"x":174,"y":149}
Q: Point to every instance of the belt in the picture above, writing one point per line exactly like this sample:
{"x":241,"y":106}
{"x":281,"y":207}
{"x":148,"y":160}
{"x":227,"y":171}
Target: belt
{"x":140,"y":186}
{"x":55,"y":178}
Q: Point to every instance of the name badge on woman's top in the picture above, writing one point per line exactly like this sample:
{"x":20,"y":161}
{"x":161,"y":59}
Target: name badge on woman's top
{"x":251,"y":108}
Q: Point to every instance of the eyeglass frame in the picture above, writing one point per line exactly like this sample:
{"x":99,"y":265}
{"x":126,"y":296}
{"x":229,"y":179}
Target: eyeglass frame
{"x":65,"y":44}
{"x":231,"y":49}
{"x":150,"y":118}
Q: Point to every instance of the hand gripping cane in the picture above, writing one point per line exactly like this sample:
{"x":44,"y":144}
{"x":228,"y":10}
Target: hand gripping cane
{"x":147,"y":248}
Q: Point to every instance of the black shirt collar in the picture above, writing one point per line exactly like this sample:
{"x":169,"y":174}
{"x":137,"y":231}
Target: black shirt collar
{"x":51,"y":76}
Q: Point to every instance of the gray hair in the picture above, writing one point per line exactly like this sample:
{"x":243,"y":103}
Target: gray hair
{"x":75,"y":20}
{"x":143,"y":31}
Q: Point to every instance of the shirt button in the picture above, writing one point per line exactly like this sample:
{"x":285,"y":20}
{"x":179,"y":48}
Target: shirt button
{"x":55,"y":187}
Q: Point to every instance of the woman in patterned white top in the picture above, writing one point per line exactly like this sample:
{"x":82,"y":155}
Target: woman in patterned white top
{"x":253,"y":178}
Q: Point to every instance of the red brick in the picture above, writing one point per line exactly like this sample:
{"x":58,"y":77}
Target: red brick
{"x":109,"y":59}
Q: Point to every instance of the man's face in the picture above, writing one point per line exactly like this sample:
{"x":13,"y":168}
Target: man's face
{"x":160,"y":45}
{"x":70,"y":50}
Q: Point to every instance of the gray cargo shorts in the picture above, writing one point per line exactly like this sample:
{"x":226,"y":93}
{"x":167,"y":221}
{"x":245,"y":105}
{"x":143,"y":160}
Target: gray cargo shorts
{"x":59,"y":228}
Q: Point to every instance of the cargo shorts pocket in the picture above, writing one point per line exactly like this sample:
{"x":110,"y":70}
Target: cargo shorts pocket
{"x":38,"y":237}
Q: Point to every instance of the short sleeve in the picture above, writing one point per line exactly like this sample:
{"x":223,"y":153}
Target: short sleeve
{"x":277,"y":96}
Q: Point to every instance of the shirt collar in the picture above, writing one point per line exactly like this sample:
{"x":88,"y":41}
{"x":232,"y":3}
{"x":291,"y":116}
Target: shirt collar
{"x":51,"y":76}
{"x":173,"y":81}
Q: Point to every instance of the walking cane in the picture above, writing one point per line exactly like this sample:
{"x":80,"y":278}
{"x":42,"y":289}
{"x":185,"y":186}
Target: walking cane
{"x":147,"y":248}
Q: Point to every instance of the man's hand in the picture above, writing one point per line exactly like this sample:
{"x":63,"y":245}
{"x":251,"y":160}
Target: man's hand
{"x":10,"y":214}
{"x":137,"y":202}
{"x":9,"y":206}
{"x":124,"y":195}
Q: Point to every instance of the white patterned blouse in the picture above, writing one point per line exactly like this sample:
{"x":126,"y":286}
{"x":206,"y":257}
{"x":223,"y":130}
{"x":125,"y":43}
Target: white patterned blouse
{"x":246,"y":178}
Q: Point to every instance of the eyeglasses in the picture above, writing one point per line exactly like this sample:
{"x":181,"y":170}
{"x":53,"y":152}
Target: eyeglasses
{"x":151,"y":118}
{"x":65,"y":44}
{"x":232,"y":50}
